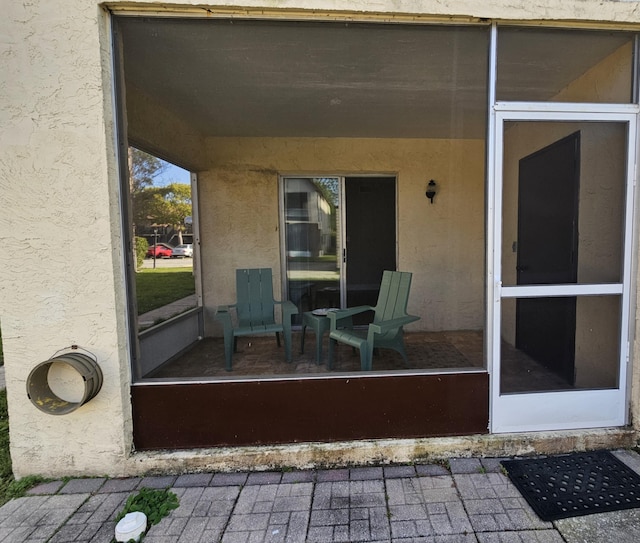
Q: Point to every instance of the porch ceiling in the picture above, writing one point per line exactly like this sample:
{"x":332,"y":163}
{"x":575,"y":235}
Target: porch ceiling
{"x":250,"y":78}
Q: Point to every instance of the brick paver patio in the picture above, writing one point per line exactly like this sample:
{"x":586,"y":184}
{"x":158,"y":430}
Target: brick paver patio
{"x":468,"y":501}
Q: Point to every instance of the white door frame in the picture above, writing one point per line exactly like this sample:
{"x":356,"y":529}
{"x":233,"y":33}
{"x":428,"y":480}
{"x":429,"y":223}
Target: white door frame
{"x":564,"y":409}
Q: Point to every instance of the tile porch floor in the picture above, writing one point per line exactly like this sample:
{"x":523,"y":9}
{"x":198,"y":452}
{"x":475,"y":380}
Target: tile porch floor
{"x":260,"y":356}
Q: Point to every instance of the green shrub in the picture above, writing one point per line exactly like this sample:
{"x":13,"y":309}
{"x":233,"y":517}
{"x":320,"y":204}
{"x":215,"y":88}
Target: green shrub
{"x":142,"y":245}
{"x":155,"y":504}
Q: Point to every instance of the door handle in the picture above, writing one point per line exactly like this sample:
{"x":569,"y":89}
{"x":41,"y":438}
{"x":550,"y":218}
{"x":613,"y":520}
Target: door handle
{"x":522,"y":268}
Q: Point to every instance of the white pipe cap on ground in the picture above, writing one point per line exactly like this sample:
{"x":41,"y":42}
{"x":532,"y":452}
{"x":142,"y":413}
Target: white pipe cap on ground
{"x":131,"y":526}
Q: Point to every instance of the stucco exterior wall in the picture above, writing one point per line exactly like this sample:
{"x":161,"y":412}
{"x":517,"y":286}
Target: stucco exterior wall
{"x":62,"y":279}
{"x":608,"y":81}
{"x":600,"y":253}
{"x":442,"y":244}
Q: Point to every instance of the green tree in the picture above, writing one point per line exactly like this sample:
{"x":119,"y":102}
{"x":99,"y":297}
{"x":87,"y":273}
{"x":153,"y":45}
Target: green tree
{"x":143,"y":169}
{"x":168,"y":205}
{"x":152,"y":204}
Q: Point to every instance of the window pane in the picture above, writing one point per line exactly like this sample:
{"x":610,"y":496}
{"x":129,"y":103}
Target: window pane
{"x":313,"y":266}
{"x":563,"y":202}
{"x":313,"y":103}
{"x":561,"y":343}
{"x":553,"y":65}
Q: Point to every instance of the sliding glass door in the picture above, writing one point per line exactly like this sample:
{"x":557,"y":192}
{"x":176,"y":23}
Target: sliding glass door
{"x":339,"y":236}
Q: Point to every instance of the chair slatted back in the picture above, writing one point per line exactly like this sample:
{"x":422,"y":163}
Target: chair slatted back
{"x":254,"y":291}
{"x":393,"y":297}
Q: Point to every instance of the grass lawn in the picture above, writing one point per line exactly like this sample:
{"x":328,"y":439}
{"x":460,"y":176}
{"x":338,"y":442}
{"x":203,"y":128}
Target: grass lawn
{"x":161,"y":286}
{"x":5,"y":461}
{"x":6,"y":476}
{"x":9,"y":487}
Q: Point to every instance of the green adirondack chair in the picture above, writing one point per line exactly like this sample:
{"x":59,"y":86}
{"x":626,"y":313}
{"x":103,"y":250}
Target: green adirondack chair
{"x":255,"y":312}
{"x":386,"y":329}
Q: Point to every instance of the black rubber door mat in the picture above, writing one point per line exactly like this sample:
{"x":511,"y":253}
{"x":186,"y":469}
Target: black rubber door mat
{"x":571,"y":485}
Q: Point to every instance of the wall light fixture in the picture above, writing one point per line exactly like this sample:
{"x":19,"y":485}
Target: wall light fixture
{"x":432,"y":189}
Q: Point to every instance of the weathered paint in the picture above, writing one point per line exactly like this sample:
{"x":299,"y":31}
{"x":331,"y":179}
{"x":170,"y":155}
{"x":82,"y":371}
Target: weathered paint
{"x":574,"y":11}
{"x":349,"y":453}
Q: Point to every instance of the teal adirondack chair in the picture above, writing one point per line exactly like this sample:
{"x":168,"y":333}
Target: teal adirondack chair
{"x":386,"y":329}
{"x":255,"y":312}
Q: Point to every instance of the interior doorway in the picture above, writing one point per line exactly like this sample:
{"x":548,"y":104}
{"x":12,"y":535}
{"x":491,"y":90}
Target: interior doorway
{"x":370,"y":240}
{"x":547,"y":253}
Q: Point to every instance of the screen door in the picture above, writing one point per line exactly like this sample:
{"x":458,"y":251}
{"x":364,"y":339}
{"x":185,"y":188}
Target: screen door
{"x":562,"y":243}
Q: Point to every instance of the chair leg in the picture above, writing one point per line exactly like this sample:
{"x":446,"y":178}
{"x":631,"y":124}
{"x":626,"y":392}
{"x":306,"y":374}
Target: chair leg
{"x":365,"y":357}
{"x":304,"y":329}
{"x":278,"y":338}
{"x":398,"y":346}
{"x":403,"y":353}
{"x":230,"y":343}
{"x":332,"y":345}
{"x":318,"y":348}
{"x":287,"y":344}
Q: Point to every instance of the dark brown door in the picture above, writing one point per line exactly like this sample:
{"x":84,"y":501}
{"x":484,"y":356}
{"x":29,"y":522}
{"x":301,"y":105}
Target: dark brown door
{"x":547,"y":253}
{"x":370,"y":204}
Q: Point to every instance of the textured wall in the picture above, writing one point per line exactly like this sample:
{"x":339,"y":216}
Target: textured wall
{"x":61,"y":276}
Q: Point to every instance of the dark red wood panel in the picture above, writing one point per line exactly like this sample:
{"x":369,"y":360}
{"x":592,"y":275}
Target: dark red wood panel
{"x":188,"y":415}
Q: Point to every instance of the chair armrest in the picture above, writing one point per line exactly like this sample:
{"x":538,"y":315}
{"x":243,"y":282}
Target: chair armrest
{"x":288,"y":309}
{"x":223,"y":314}
{"x":382,"y":327}
{"x":224,"y":308}
{"x":339,"y":314}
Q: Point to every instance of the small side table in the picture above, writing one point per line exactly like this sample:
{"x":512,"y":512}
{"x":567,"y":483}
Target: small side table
{"x":320,"y":324}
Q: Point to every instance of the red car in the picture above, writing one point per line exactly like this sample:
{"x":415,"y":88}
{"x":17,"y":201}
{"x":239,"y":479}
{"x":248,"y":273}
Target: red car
{"x":161,"y":251}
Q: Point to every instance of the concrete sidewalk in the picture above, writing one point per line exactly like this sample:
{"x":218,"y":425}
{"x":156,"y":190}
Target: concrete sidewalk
{"x":471,"y":502}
